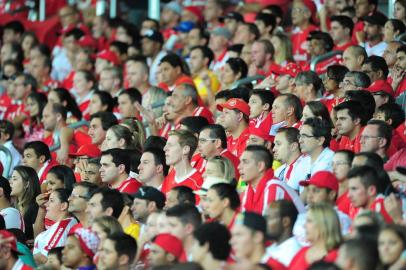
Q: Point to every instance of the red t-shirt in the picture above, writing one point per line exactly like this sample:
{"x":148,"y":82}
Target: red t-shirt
{"x":376,"y":206}
{"x":299,"y":262}
{"x":275,"y":265}
{"x":198,"y":162}
{"x":398,"y":159}
{"x":401,"y":88}
{"x":194,"y":180}
{"x":354,"y":145}
{"x":204,"y":112}
{"x":345,"y":46}
{"x":343,"y":203}
{"x":237,"y":145}
{"x":300,"y":44}
{"x":130,"y":185}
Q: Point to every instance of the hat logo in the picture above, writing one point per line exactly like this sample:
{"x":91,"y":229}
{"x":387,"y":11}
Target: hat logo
{"x":233,"y":102}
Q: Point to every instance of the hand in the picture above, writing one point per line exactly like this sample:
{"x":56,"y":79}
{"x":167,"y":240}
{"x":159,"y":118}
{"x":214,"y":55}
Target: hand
{"x":42,"y":199}
{"x":267,"y":82}
{"x":394,"y":207}
{"x":148,"y":114}
{"x":62,"y":155}
{"x":123,"y":215}
{"x":160,"y":122}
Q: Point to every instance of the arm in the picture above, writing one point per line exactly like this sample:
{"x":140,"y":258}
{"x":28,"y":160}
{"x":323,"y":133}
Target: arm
{"x":39,"y":225}
{"x":65,"y":138}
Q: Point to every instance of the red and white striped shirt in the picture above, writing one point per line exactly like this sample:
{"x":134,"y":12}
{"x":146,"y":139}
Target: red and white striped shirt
{"x":55,"y":236}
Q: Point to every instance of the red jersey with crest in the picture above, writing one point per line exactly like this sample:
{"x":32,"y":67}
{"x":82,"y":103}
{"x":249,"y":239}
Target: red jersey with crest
{"x":193,"y":179}
{"x":376,"y":206}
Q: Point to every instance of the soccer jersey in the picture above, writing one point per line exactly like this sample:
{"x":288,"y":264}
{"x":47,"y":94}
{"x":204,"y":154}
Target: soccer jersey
{"x":193,"y":180}
{"x":237,"y":145}
{"x":291,"y":174}
{"x":55,"y":236}
{"x":130,"y":185}
{"x":13,"y":218}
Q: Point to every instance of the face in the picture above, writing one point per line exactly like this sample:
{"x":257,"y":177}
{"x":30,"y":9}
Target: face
{"x":258,"y":54}
{"x":177,"y":228}
{"x":67,"y":16}
{"x":96,"y":105}
{"x":173,"y":150}
{"x":92,"y":174}
{"x":30,"y":159}
{"x":135,"y":74}
{"x":246,"y":53}
{"x":279,"y":110}
{"x":215,"y":206}
{"x":281,"y":148}
{"x":242,"y":35}
{"x":307,"y":142}
{"x":361,"y":8}
{"x":20,"y":90}
{"x":399,"y":12}
{"x":178,"y":100}
{"x":300,"y":13}
{"x":37,"y":68}
{"x":72,"y":254}
{"x":316,"y":195}
{"x":348,"y":83}
{"x":248,"y":167}
{"x":156,"y":256}
{"x":329,"y":84}
{"x":109,"y":172}
{"x":400,"y":60}
{"x":231,"y":24}
{"x":147,"y":168}
{"x":139,"y":209}
{"x":126,"y":107}
{"x":390,"y":247}
{"x":53,"y":182}
{"x":207,"y":147}
{"x":357,"y":192}
{"x":230,"y":119}
{"x":350,"y":60}
{"x":307,"y":113}
{"x":53,"y":98}
{"x":17,"y":184}
{"x":196,"y":61}
{"x":169,"y":73}
{"x":32,"y":107}
{"x":344,"y":123}
{"x":241,"y":241}
{"x":96,"y":131}
{"x":151,"y":227}
{"x":171,"y":199}
{"x":199,"y":252}
{"x":370,"y":142}
{"x":77,"y":200}
{"x":80,"y":83}
{"x":372,"y":32}
{"x":388,"y":32}
{"x":316,"y":47}
{"x":53,"y":262}
{"x":256,"y":106}
{"x":212,"y":170}
{"x":94,"y":208}
{"x":367,"y":69}
{"x":283,"y":83}
{"x":341,"y":166}
{"x":227,"y":75}
{"x":54,"y":206}
{"x":111,"y":140}
{"x":389,"y":54}
{"x":274,"y":223}
{"x":148,"y":47}
{"x":108,"y":257}
{"x":49,"y":119}
{"x":193,"y":38}
{"x":98,"y":230}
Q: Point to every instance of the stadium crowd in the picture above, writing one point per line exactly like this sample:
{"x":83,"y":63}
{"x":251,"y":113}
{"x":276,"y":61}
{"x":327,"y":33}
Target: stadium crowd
{"x":265,"y":134}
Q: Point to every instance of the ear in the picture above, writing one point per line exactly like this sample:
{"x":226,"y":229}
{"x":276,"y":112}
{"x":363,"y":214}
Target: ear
{"x":266,"y":107}
{"x":382,"y":142}
{"x":121,"y":142}
{"x":108,"y":211}
{"x":121,"y":168}
{"x":258,"y":238}
{"x":151,"y":206}
{"x":371,"y":190}
{"x":123,"y":260}
{"x":64,"y":206}
{"x":286,"y":222}
{"x":380,"y":73}
{"x":321,"y":140}
{"x":332,"y":195}
{"x":357,"y":121}
{"x":186,"y":150}
{"x":189,"y":228}
{"x":159,"y":169}
{"x":1,"y":192}
{"x":178,"y":70}
{"x":217,"y":143}
{"x":42,"y":159}
{"x":188,"y":99}
{"x":261,"y":166}
{"x":290,"y":111}
{"x":170,"y":257}
{"x":58,"y":117}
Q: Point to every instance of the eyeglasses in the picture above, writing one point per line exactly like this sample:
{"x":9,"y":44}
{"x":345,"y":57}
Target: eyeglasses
{"x":203,"y":140}
{"x":305,"y":136}
{"x":366,"y":137}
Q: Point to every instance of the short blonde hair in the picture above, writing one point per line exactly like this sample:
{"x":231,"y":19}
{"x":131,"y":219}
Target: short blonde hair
{"x":326,"y":221}
{"x":108,"y":224}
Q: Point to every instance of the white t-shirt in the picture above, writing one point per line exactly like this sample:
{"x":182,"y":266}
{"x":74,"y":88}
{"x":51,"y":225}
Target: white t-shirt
{"x":377,"y":50}
{"x":15,"y":155}
{"x":284,"y":252}
{"x":53,"y":237}
{"x":13,"y":218}
{"x":299,"y":231}
{"x":324,"y":162}
{"x":292,"y":174}
{"x":153,"y":67}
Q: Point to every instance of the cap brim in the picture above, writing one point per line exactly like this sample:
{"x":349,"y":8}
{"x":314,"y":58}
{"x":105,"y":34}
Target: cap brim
{"x":200,"y":192}
{"x":401,"y":170}
{"x":220,"y":107}
{"x":304,"y":183}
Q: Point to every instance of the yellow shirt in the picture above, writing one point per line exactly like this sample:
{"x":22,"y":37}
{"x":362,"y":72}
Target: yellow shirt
{"x":133,"y":230}
{"x":201,"y":87}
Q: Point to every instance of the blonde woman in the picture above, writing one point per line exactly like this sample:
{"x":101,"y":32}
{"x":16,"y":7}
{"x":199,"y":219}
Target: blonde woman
{"x":221,"y":168}
{"x":106,"y":225}
{"x":323,"y":232}
{"x":283,"y":49}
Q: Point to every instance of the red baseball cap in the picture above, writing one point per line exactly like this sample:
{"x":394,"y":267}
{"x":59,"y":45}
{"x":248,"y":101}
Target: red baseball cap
{"x":87,"y":41}
{"x":291,"y":69}
{"x":259,"y":133}
{"x":381,"y":86}
{"x":109,"y":56}
{"x":322,"y":179}
{"x":89,"y":150}
{"x":235,"y":103}
{"x":13,"y":242}
{"x":196,"y":11}
{"x":170,"y":244}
